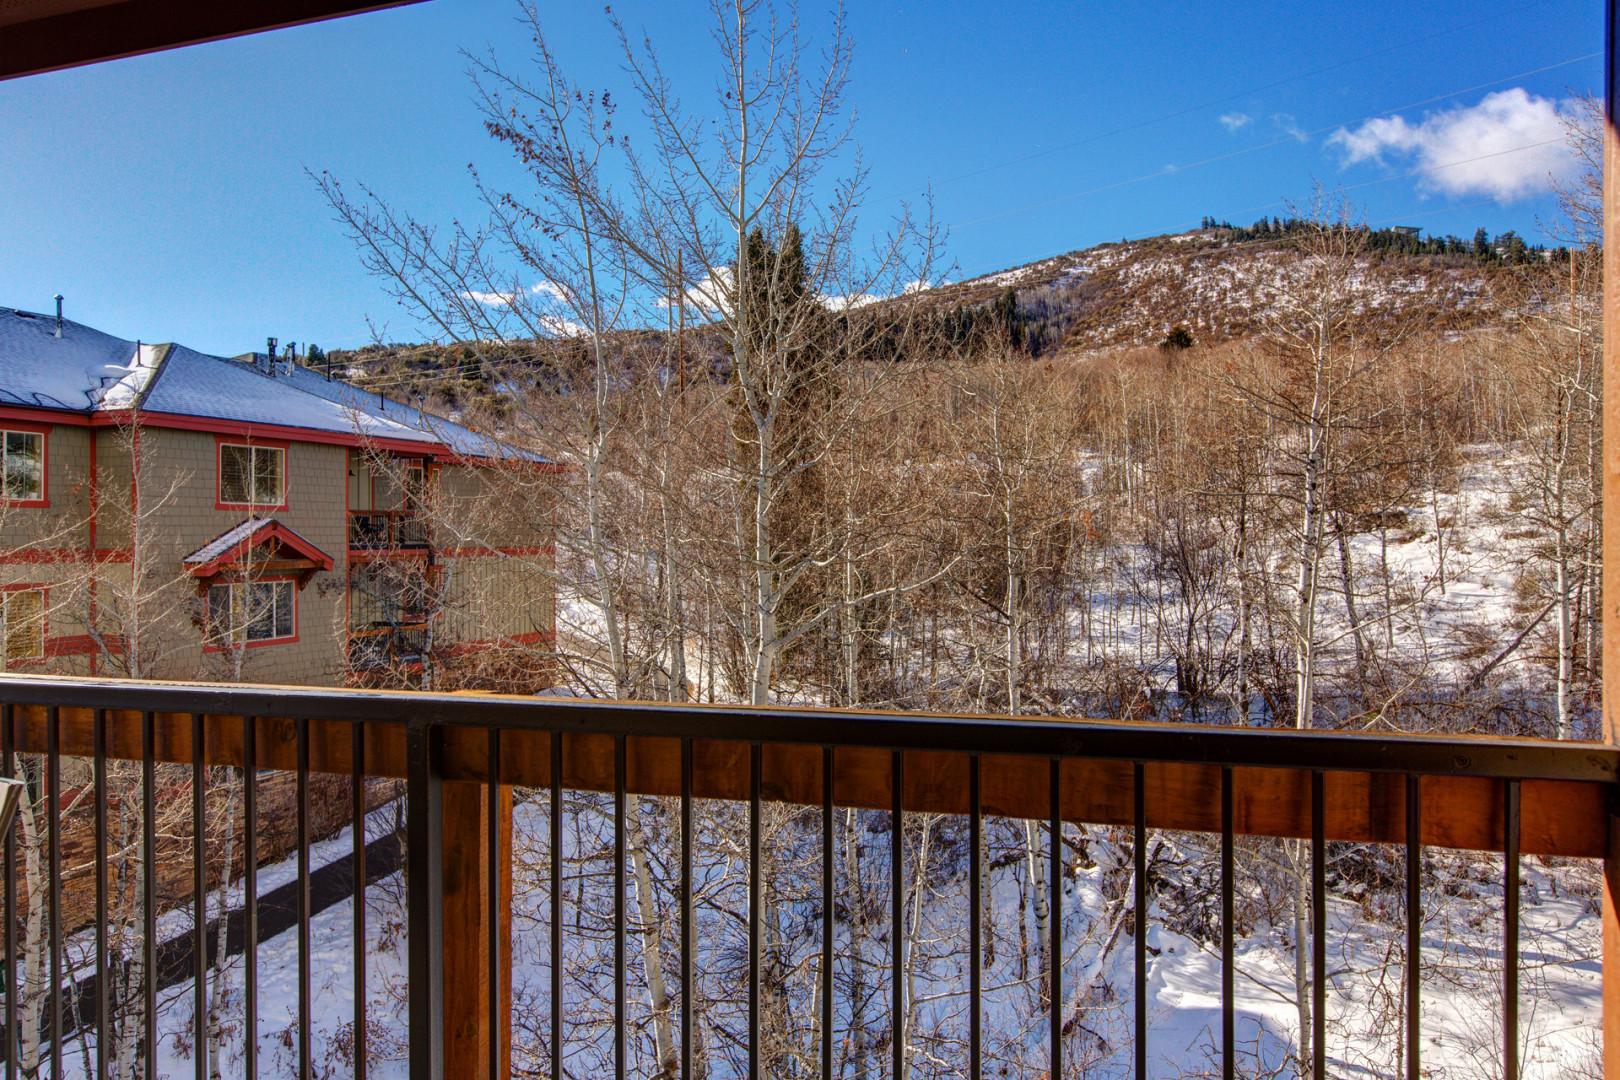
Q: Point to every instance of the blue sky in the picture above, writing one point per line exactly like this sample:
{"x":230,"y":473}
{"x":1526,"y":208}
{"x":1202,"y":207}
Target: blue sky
{"x":166,"y":197}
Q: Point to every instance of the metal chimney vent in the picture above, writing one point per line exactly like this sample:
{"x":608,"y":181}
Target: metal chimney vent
{"x":58,"y":314}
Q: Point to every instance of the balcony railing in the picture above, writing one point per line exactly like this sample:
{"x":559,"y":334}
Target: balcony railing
{"x":386,"y":645}
{"x":384,"y":529}
{"x":1505,"y":796}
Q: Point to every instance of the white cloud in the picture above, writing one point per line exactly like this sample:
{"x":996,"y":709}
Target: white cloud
{"x":707,"y":296}
{"x":1232,"y":121}
{"x":489,"y":299}
{"x":501,"y":299}
{"x":1285,"y":123}
{"x":1510,"y":145}
{"x":851,"y":301}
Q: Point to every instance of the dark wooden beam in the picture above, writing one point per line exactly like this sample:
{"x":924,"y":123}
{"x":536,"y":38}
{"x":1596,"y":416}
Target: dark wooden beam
{"x":49,"y":35}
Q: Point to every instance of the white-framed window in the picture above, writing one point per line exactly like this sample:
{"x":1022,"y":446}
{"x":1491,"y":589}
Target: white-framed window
{"x":22,"y":466}
{"x":242,"y":612}
{"x":252,"y":475}
{"x":22,"y":613}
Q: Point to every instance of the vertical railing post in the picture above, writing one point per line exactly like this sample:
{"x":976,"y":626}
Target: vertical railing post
{"x":1611,"y":523}
{"x":1611,"y":948}
{"x":424,"y":871}
{"x":476,"y":881}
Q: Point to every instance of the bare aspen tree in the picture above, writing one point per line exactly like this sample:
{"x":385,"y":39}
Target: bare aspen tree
{"x":1315,"y":391}
{"x":1555,"y":412}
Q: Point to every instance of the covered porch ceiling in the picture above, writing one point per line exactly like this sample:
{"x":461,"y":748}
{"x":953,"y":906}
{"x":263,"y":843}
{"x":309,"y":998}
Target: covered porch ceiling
{"x":48,"y":35}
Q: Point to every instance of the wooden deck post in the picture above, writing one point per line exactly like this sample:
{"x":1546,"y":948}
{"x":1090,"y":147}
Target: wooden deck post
{"x":1611,"y":524}
{"x":468,"y":881}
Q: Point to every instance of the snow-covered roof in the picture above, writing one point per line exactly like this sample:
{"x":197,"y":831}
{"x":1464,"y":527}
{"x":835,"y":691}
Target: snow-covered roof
{"x":227,"y":540}
{"x":86,"y":371}
{"x":81,"y":370}
{"x":229,"y":546}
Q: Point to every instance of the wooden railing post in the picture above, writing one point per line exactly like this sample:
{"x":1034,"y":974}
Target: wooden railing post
{"x":1611,"y":952}
{"x":469,"y":876}
{"x":424,"y":876}
{"x":1611,"y":525}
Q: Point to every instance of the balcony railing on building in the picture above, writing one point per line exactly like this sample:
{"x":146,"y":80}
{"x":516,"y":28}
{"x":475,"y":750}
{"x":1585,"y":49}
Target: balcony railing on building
{"x":163,"y":793}
{"x":387,"y":646}
{"x":374,"y":530}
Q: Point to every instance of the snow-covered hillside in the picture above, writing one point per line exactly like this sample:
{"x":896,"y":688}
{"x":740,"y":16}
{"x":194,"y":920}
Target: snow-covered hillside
{"x":1132,"y":293}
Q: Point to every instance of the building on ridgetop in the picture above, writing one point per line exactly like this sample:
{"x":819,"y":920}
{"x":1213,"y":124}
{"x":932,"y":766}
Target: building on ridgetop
{"x":169,"y":514}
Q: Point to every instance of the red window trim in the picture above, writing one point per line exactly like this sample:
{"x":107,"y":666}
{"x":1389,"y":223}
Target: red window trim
{"x":236,"y":579}
{"x":222,"y":441}
{"x":44,"y":432}
{"x":44,"y":591}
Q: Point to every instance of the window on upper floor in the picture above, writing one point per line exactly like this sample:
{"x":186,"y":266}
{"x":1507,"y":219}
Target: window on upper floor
{"x":252,"y":475}
{"x":22,"y":611}
{"x":251,"y":612}
{"x":22,"y":466}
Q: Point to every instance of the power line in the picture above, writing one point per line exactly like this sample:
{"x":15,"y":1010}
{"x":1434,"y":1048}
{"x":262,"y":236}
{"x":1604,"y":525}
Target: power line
{"x":1283,"y":202}
{"x":456,"y":373}
{"x":433,"y":377}
{"x":1171,"y":170}
{"x":1176,"y":169}
{"x":1214,"y":103}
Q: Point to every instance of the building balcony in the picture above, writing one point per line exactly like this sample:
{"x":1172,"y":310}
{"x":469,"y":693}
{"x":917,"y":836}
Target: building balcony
{"x":580,"y":888}
{"x":384,"y":530}
{"x":389,"y":645}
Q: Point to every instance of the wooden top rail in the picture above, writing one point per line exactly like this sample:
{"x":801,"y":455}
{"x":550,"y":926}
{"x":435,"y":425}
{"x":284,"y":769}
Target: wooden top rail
{"x":1565,"y":788}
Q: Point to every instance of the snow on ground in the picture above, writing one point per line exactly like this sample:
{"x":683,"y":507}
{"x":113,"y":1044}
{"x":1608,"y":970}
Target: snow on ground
{"x":1561,"y":998}
{"x":1561,"y":978}
{"x":332,"y":981}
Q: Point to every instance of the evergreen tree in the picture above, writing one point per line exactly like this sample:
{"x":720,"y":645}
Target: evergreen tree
{"x":1006,"y":318}
{"x":1482,"y":242}
{"x":1177,"y":339}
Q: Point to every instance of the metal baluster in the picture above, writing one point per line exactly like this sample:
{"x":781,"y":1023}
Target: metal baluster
{"x":1510,"y":930}
{"x":149,"y":953}
{"x":1414,"y":927}
{"x":620,"y":1042}
{"x":497,"y":1045}
{"x":1318,"y":927}
{"x":1055,"y":976}
{"x":755,"y":896}
{"x":250,"y":894}
{"x":1139,"y":858}
{"x":975,"y":922}
{"x":556,"y":906}
{"x":897,"y":880}
{"x":357,"y":762}
{"x":1228,"y":933}
{"x":306,"y":1062}
{"x":9,"y":767}
{"x":199,"y":901}
{"x":827,"y":886}
{"x":53,"y":799}
{"x":103,"y":994}
{"x":688,"y":936}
